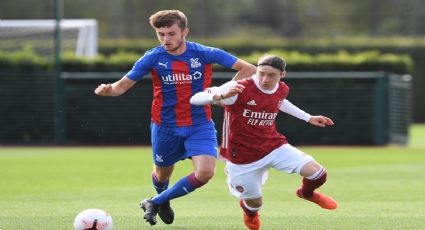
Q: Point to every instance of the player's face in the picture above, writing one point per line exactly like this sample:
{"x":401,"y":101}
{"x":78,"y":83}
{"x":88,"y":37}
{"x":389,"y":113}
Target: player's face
{"x":268,"y":76}
{"x":172,"y":38}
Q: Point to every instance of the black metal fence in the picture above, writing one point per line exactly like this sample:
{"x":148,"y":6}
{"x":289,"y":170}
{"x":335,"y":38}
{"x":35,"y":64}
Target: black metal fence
{"x":369,"y":108}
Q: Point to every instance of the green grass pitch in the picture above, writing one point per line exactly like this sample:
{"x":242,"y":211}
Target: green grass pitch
{"x":376,"y":188}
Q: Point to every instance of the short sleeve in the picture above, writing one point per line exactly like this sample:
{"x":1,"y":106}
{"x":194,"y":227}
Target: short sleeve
{"x":142,"y":67}
{"x":221,"y":57}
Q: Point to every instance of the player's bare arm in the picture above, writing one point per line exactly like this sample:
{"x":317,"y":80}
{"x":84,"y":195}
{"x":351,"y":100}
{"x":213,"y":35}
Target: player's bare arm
{"x":116,"y":88}
{"x":321,"y":121}
{"x":244,"y":69}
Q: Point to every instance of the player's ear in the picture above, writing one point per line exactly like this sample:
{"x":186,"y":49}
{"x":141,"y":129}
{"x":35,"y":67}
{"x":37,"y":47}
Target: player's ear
{"x":186,"y":31}
{"x":283,"y":74}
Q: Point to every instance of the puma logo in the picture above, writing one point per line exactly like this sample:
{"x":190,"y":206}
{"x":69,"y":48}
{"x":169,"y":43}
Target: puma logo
{"x":163,"y":64}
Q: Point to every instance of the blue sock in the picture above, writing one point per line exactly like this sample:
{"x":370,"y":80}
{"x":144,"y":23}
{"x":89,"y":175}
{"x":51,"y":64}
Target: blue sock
{"x":182,"y":187}
{"x":159,"y":186}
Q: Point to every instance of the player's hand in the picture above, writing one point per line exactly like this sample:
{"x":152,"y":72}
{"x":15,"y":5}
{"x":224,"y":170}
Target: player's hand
{"x":103,"y":90}
{"x":321,"y":121}
{"x":237,"y":89}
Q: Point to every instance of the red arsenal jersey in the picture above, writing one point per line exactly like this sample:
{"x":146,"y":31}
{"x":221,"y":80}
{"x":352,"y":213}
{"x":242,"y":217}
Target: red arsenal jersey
{"x":249,"y":129}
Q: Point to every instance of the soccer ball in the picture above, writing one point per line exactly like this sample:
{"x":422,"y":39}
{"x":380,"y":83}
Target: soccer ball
{"x":93,"y":219}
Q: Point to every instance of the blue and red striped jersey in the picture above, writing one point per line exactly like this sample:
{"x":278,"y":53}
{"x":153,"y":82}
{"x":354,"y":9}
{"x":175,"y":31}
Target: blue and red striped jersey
{"x":176,"y":78}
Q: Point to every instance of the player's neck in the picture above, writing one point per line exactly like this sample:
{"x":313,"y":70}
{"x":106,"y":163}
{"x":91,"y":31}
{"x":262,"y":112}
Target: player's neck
{"x":266,"y":91}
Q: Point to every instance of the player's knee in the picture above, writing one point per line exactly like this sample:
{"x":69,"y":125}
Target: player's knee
{"x":160,"y":176}
{"x":204,"y":175}
{"x":254,"y":203}
{"x":163,"y":173}
{"x":319,"y":176}
{"x":310,"y":168}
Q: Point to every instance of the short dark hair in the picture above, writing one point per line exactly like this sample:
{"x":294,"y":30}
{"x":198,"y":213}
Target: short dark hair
{"x":167,"y":18}
{"x":273,"y":61}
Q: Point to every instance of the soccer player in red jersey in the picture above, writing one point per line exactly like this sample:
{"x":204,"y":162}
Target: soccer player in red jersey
{"x":179,"y":130}
{"x":251,"y":143}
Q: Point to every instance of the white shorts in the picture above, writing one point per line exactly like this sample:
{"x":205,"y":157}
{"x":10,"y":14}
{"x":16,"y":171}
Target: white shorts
{"x":246,"y":180}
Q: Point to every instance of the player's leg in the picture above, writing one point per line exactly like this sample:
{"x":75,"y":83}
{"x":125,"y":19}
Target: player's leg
{"x":204,"y":170}
{"x":246,"y":183}
{"x":168,"y":148}
{"x":314,"y":176}
{"x":200,"y":143}
{"x":251,"y":207}
{"x":160,"y":179}
{"x":292,"y":160}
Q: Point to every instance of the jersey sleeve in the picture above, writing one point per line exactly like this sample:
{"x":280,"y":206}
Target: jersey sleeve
{"x":226,"y":86}
{"x":293,"y":110}
{"x":221,"y":57}
{"x":206,"y":97}
{"x":142,"y":67}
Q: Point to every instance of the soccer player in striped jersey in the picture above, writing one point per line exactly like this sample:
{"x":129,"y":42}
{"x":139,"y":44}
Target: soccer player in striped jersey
{"x":179,"y":130}
{"x":251,"y":143}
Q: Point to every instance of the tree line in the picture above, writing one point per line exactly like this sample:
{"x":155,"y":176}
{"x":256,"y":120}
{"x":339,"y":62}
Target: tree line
{"x":240,"y":18}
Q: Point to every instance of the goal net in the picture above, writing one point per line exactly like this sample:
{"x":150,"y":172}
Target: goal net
{"x":77,"y":35}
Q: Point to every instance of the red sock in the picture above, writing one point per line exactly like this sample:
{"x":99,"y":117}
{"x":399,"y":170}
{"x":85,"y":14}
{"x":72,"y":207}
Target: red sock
{"x":309,"y":186}
{"x":247,"y":211}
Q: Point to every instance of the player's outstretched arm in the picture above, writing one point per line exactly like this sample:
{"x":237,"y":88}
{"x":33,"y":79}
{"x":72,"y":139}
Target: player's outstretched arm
{"x":116,"y":88}
{"x":244,"y":69}
{"x":289,"y":108}
{"x":320,"y":121}
{"x":216,"y":94}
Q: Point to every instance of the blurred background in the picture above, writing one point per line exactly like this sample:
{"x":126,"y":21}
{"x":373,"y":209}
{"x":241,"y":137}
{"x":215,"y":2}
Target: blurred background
{"x":361,"y":62}
{"x":229,"y":18}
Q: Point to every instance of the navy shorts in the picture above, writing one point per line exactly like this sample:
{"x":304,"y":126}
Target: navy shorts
{"x":171,"y":144}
